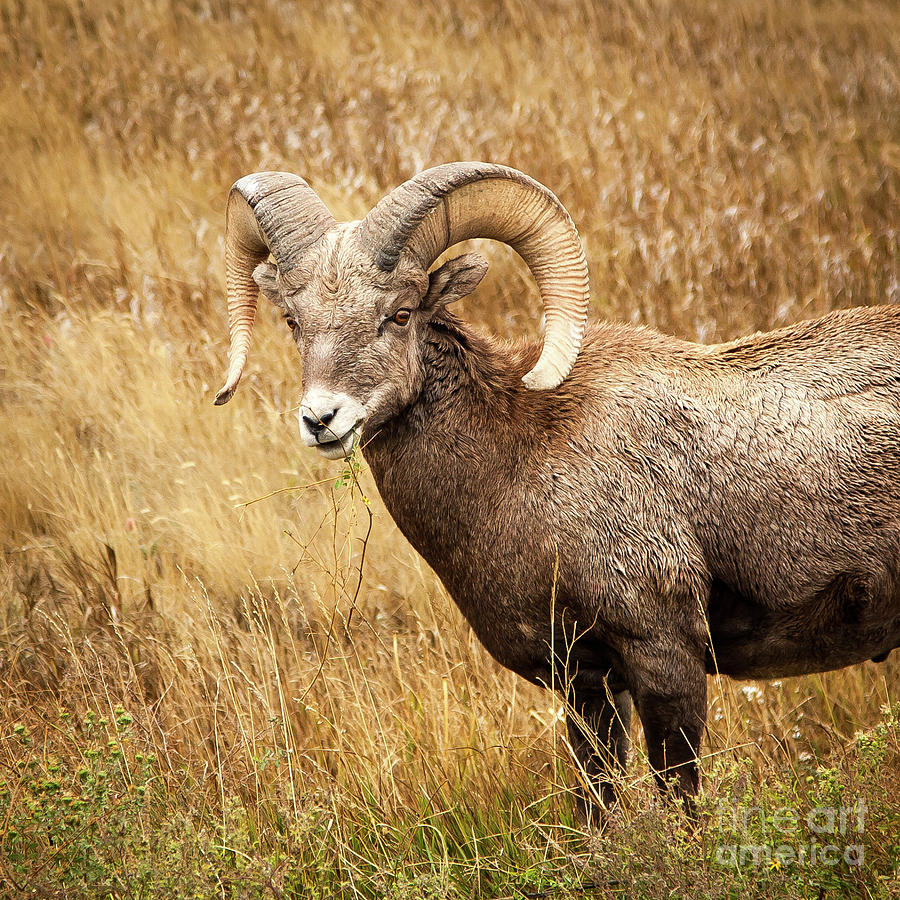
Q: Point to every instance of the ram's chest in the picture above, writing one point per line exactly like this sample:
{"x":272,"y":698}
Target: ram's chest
{"x":508,"y":603}
{"x":495,"y":568}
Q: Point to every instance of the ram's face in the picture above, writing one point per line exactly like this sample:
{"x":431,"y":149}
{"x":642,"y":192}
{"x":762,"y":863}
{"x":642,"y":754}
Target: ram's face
{"x":360,"y":333}
{"x":359,"y":298}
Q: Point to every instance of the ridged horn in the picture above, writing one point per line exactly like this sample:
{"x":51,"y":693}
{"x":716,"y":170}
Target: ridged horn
{"x":454,"y":202}
{"x":268,"y":212}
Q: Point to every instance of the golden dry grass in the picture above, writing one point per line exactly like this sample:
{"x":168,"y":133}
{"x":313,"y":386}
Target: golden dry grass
{"x":731,"y":166}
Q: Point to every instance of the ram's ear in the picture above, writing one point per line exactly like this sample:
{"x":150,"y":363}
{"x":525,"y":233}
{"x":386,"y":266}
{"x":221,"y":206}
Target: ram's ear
{"x":454,"y":279}
{"x":266,"y":277}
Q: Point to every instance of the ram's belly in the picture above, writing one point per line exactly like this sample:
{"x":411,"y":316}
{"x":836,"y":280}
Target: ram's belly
{"x":853,"y":619}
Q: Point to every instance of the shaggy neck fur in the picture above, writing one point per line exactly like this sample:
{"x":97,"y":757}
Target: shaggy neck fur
{"x":447,"y":466}
{"x":469,"y":384}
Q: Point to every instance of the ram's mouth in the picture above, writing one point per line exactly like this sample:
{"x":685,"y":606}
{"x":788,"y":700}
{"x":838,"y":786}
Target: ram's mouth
{"x":342,"y":447}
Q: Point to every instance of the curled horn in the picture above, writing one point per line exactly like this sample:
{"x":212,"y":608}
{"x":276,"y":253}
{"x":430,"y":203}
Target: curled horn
{"x":458,"y":201}
{"x":268,"y":212}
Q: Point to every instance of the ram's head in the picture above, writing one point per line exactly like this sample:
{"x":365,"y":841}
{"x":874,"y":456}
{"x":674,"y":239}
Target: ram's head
{"x":358,"y":296}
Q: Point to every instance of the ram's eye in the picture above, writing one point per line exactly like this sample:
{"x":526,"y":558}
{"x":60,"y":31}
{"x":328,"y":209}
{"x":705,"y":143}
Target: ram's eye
{"x":291,"y":322}
{"x":401,"y":317}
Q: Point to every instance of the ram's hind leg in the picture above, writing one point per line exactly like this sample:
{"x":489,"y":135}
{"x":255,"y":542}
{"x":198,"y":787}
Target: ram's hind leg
{"x":598,"y":724}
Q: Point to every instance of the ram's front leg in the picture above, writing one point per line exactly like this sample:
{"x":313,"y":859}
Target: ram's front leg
{"x":598,"y":723}
{"x":668,"y":684}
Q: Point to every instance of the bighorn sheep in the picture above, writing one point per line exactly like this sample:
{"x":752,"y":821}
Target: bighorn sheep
{"x":661,"y":509}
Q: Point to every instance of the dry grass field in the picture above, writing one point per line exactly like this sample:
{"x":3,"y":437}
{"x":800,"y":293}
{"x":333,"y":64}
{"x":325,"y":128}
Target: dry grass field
{"x":224,"y":672}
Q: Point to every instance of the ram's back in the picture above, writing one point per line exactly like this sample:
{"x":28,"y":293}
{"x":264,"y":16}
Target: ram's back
{"x":844,"y":353}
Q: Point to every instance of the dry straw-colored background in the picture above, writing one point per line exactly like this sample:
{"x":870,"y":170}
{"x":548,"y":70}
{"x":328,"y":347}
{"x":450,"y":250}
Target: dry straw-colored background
{"x":731,"y":166}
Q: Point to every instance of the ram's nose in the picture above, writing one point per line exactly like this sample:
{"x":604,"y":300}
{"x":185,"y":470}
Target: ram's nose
{"x":328,"y":416}
{"x":316,"y":425}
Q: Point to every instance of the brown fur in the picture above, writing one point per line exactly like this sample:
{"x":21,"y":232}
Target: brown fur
{"x":749,"y":492}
